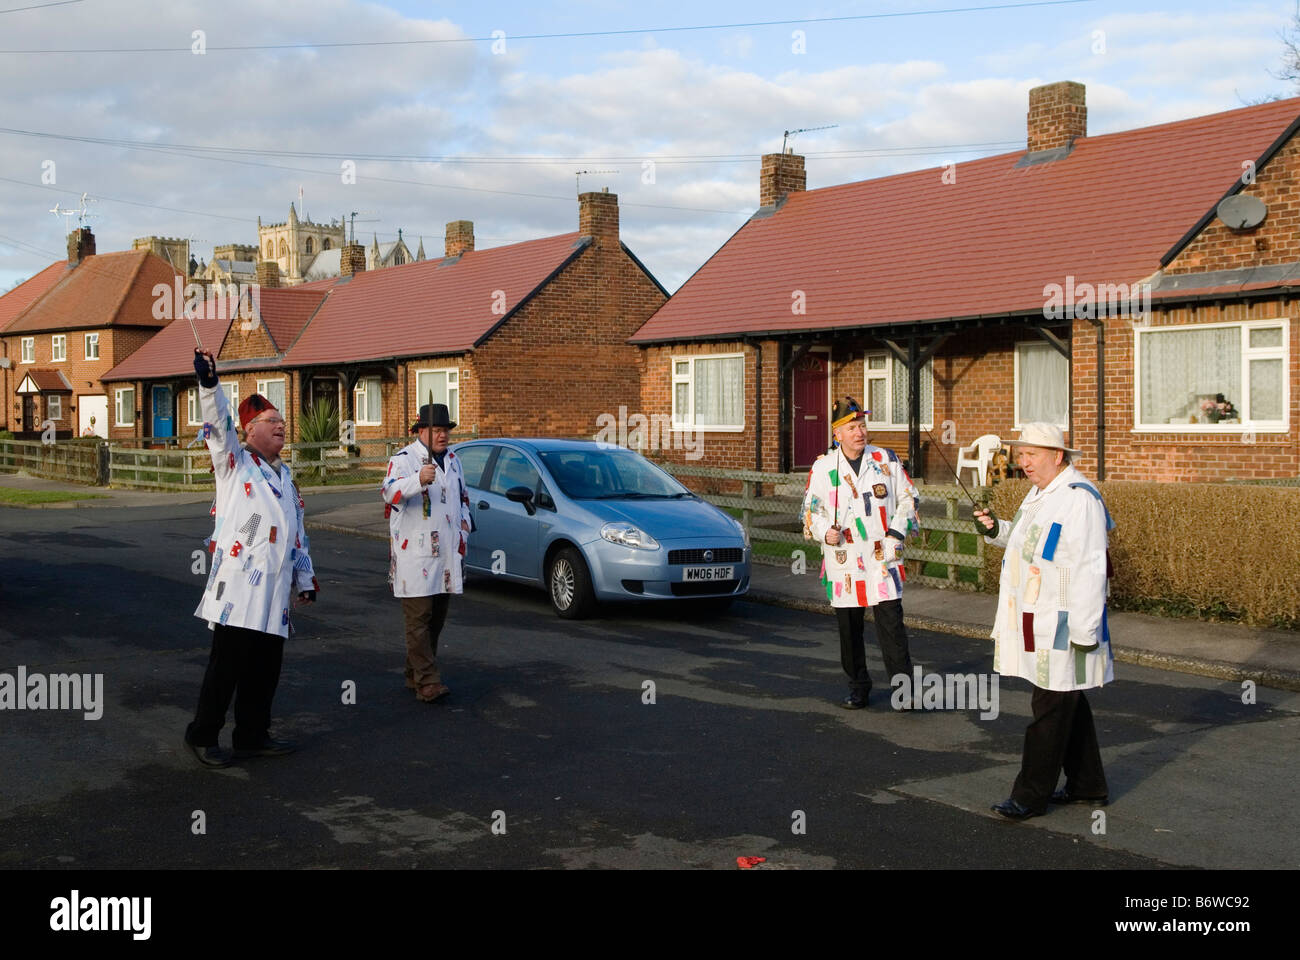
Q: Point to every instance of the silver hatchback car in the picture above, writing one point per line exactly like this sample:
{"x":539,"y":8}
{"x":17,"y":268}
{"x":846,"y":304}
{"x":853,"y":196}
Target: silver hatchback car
{"x":590,"y":522}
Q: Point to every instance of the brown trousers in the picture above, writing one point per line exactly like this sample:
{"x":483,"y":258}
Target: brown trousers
{"x":424,"y":619}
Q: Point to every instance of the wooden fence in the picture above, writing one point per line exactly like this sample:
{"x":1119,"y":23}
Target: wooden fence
{"x":74,"y":461}
{"x":773,"y":523}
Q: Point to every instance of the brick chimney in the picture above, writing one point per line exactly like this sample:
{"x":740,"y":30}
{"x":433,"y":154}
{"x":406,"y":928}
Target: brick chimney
{"x":81,"y":244}
{"x":460,"y":237}
{"x":267,"y":274}
{"x":598,"y":215}
{"x":781,"y":175}
{"x":1058,"y":114}
{"x":352,"y":259}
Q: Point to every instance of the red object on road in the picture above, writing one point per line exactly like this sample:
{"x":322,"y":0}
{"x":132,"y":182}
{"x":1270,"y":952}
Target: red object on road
{"x":746,"y":863}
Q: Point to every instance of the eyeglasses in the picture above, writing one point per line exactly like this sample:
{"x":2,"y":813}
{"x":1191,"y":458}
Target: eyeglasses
{"x":271,"y":420}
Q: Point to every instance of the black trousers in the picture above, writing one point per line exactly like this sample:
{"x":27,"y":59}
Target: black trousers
{"x":1062,"y":735}
{"x":888,"y":617}
{"x":244,"y":664}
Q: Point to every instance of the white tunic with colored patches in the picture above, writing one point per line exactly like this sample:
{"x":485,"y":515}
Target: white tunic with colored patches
{"x":1051,"y":622}
{"x":427,"y":525}
{"x":258,"y":559}
{"x":863,"y":569}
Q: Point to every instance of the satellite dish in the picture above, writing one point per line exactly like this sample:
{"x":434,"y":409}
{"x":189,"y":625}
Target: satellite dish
{"x":1242,"y":212}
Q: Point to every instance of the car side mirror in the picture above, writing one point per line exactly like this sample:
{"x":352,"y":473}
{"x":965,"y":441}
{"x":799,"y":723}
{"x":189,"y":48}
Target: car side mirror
{"x":522,"y":495}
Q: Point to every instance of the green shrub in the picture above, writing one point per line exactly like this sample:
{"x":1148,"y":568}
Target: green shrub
{"x":318,"y":424}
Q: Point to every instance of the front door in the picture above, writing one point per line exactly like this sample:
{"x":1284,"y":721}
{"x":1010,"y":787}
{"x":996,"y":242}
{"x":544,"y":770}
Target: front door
{"x":162,"y":411}
{"x":811,"y":418}
{"x":29,"y":413}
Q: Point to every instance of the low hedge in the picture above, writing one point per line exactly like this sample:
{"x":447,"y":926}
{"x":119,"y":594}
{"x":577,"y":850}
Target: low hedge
{"x":1207,"y":550}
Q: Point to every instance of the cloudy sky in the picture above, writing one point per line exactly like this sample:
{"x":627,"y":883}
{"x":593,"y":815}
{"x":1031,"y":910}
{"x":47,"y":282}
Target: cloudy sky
{"x":668,"y":104}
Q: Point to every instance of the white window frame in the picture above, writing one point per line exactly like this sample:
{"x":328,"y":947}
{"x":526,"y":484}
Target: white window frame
{"x":358,"y":392}
{"x":1248,"y":354}
{"x":453,"y":409}
{"x":54,"y":407}
{"x":688,"y":422}
{"x":193,"y":411}
{"x":261,"y":388}
{"x":888,"y":376}
{"x":1015,"y":372}
{"x":29,"y":350}
{"x":117,"y":407}
{"x":58,"y":345}
{"x":92,"y":339}
{"x":232,"y":396}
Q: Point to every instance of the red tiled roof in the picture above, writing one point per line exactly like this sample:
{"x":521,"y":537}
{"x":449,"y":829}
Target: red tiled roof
{"x":47,"y":380}
{"x":107,"y":289}
{"x":913,"y":248}
{"x":26,"y":293}
{"x":427,"y":307}
{"x":170,"y":352}
{"x":286,"y":310}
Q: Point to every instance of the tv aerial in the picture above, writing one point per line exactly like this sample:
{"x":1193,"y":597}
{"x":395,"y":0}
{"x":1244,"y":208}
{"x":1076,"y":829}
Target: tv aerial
{"x":790,"y":134}
{"x":577,"y":177}
{"x":82,"y":214}
{"x":353,"y":217}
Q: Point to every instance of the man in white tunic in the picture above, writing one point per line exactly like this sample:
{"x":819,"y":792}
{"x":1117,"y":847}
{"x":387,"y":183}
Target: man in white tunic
{"x":1051,"y":622}
{"x":427,"y":506}
{"x":258,"y":565}
{"x":859,"y":505}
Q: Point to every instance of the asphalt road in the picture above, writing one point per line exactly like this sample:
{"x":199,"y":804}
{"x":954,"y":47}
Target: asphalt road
{"x":546,"y":753}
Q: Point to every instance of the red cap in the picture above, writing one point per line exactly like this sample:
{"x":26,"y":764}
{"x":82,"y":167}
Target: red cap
{"x":250,"y":407}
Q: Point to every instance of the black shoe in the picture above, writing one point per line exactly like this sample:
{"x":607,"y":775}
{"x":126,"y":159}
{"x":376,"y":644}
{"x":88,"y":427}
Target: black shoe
{"x":854,"y":701}
{"x":213,"y":756}
{"x":268,"y":748}
{"x":1013,"y":810}
{"x":1060,"y":796}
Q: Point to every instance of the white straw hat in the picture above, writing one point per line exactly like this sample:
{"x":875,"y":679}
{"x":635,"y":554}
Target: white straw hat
{"x":1045,"y":435}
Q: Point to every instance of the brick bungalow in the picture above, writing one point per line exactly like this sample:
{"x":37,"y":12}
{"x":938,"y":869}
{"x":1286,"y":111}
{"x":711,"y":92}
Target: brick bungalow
{"x":972,"y":298}
{"x":525,"y":339}
{"x":529,"y":338}
{"x":68,"y":326}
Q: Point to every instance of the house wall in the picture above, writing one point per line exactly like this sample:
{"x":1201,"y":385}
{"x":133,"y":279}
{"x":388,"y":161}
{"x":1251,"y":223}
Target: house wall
{"x":115,"y":345}
{"x":563,"y":359}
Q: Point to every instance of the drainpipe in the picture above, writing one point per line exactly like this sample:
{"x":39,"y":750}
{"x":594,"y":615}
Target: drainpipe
{"x":1101,"y":399}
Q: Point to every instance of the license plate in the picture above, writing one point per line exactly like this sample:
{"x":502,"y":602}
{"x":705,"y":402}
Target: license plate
{"x":708,"y":574}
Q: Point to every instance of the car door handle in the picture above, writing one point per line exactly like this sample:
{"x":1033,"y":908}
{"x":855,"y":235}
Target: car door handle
{"x":484,"y":505}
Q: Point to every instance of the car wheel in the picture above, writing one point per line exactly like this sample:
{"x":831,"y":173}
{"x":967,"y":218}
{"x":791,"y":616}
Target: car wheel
{"x":569,"y":585}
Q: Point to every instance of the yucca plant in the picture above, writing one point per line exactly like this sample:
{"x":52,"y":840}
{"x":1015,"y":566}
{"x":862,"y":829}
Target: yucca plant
{"x":318,"y":424}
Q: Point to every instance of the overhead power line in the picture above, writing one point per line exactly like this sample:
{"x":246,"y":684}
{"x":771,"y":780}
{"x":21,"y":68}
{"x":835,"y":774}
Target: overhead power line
{"x":328,"y":44}
{"x":201,"y":150}
{"x":41,"y":6}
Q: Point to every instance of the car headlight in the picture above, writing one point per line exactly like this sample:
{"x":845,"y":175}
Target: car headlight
{"x":629,"y":536}
{"x":740,"y":528}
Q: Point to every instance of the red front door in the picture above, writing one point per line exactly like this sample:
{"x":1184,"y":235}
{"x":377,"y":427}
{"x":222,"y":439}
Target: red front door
{"x":811,"y":418}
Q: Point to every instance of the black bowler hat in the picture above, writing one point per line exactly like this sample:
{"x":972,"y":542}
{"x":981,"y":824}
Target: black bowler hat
{"x":433,"y":415}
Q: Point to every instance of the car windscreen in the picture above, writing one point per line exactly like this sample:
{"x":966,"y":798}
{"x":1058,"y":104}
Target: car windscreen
{"x":609,"y":475}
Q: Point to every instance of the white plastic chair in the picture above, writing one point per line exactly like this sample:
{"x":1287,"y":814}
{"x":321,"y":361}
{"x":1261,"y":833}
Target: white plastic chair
{"x":978,"y":456}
